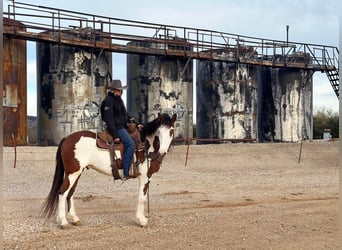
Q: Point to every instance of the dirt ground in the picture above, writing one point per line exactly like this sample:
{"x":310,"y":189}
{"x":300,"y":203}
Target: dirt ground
{"x":228,"y":196}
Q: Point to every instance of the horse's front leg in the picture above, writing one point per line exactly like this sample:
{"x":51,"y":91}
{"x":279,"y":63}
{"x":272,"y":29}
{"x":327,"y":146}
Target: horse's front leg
{"x":140,"y":215}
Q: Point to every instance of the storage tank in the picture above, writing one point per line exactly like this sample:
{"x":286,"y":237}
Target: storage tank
{"x":71,"y":87}
{"x":227,"y":100}
{"x":159,"y":84}
{"x":14,"y":87}
{"x":286,"y":102}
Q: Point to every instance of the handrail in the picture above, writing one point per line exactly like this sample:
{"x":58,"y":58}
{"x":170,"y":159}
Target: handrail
{"x":220,"y":45}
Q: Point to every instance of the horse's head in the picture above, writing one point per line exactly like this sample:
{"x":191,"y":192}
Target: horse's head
{"x":160,"y":132}
{"x":165,"y":132}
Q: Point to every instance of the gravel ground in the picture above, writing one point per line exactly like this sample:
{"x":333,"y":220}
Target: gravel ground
{"x":228,"y":196}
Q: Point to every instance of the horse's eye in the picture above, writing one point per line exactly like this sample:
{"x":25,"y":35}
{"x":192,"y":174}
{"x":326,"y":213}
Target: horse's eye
{"x":171,"y":132}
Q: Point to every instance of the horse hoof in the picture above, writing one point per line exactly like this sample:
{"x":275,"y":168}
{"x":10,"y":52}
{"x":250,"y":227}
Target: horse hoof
{"x":142,"y":222}
{"x":65,"y":226}
{"x":77,"y":223}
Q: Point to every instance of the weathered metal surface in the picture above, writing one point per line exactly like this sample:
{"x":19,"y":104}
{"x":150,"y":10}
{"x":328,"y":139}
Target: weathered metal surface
{"x":226,"y":100}
{"x":71,"y":87}
{"x":236,"y":101}
{"x":117,"y":32}
{"x":161,"y":84}
{"x":285,"y":106}
{"x":292,"y":95}
{"x":14,"y":88}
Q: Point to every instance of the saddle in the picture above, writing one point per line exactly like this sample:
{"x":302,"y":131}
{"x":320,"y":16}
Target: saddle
{"x":104,"y":140}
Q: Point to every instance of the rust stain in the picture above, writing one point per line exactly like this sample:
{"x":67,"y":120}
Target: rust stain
{"x":14,"y":88}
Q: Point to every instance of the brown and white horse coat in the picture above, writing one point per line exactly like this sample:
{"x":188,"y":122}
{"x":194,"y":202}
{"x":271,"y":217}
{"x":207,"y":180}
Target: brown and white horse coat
{"x":78,"y":152}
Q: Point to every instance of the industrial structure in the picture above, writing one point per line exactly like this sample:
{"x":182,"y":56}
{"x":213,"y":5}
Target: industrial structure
{"x":14,"y":87}
{"x":240,"y":101}
{"x":71,"y":86}
{"x":247,"y":88}
{"x":159,"y":84}
{"x":227,"y":99}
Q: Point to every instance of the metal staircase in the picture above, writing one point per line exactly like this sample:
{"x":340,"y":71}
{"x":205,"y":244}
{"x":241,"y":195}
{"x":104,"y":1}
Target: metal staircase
{"x":333,"y":76}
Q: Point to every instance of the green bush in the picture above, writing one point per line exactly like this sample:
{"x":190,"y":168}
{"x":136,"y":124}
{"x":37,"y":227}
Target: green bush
{"x":325,"y":119}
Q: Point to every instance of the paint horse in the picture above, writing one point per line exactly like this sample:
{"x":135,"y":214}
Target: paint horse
{"x":78,"y":151}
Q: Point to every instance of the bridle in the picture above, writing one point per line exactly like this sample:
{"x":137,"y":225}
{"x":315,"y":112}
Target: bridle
{"x":156,"y":159}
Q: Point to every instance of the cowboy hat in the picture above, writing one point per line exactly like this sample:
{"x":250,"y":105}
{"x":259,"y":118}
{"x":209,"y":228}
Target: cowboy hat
{"x":116,"y":84}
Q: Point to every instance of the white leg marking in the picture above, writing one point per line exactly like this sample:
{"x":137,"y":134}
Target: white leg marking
{"x":72,"y":216}
{"x":61,"y":219}
{"x":140,"y":213}
{"x":61,"y":210}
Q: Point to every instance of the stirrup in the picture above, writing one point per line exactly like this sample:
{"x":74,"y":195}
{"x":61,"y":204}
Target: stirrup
{"x":124,"y":178}
{"x":115,"y":172}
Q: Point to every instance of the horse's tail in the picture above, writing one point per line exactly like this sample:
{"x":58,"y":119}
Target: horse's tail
{"x":51,"y":202}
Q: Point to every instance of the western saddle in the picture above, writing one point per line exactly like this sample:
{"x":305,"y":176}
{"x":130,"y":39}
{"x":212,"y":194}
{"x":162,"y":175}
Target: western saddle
{"x":105,"y":140}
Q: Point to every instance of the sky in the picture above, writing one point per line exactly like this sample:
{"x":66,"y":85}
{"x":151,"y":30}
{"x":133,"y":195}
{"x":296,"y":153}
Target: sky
{"x":310,"y":21}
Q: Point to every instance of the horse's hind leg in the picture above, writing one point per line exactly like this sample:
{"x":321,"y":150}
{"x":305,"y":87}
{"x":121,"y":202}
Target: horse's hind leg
{"x":67,"y":184}
{"x":72,"y":216}
{"x":61,"y":215}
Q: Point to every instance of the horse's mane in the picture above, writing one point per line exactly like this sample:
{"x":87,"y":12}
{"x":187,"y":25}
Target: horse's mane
{"x":151,"y":127}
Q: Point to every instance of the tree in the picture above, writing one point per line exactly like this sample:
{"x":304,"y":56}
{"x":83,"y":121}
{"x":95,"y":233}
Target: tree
{"x":325,"y":119}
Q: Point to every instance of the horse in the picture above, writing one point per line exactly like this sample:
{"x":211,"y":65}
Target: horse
{"x":79,"y":151}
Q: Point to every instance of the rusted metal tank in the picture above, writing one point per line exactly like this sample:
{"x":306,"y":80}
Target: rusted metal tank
{"x":14,"y":87}
{"x":286,"y":104}
{"x":227,"y":100}
{"x":237,"y":101}
{"x":71,"y":86}
{"x":158,"y":84}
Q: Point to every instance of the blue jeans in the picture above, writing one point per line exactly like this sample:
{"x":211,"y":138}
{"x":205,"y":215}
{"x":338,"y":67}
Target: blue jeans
{"x":129,"y":145}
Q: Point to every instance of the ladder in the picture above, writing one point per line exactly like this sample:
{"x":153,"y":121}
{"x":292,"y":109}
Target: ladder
{"x":333,"y":76}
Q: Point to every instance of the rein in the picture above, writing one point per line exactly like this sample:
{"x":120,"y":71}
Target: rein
{"x":156,"y":160}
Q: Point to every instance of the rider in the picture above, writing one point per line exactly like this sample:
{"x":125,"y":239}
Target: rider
{"x":115,"y":116}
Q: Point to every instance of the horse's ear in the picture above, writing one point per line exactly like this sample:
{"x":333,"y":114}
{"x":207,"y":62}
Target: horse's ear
{"x":173,"y":119}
